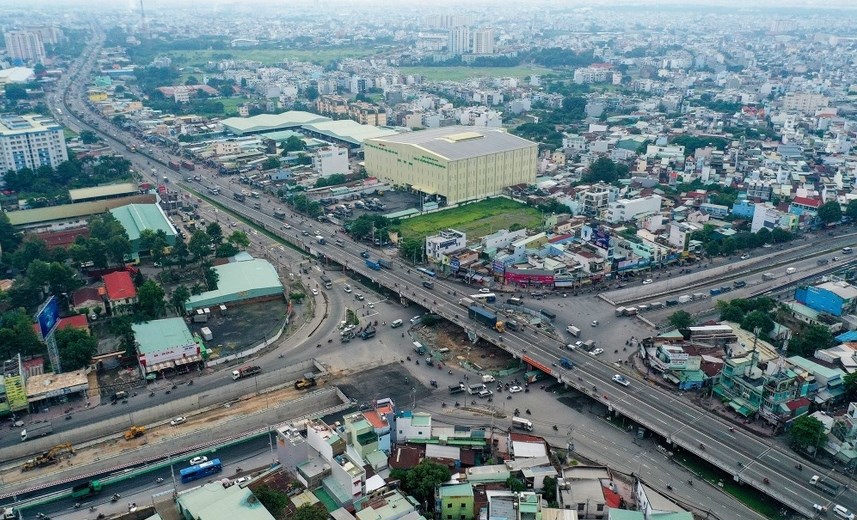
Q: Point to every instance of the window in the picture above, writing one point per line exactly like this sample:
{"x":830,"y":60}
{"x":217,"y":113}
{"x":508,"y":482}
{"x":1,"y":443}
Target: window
{"x":462,"y":505}
{"x":580,"y":506}
{"x":449,"y":505}
{"x":600,"y":507}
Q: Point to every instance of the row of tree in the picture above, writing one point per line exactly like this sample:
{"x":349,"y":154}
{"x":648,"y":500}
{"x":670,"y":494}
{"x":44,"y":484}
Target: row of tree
{"x":48,"y":186}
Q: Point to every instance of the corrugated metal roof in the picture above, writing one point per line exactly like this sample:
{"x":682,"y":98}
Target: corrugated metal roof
{"x":349,"y":131}
{"x":262,"y":122}
{"x":460,"y":142}
{"x":30,"y":217}
{"x":157,"y":335}
{"x":239,"y":280}
{"x":124,"y":188}
{"x":138,"y":217}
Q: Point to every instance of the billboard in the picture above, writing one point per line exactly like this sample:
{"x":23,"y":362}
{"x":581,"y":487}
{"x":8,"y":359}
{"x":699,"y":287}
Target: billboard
{"x":48,"y":316}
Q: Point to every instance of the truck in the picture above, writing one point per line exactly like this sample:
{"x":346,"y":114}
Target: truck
{"x":240,"y":197}
{"x":456,"y":389}
{"x":84,"y":490}
{"x":368,"y":333}
{"x":328,"y":284}
{"x":686,"y":298}
{"x":35,"y":431}
{"x":828,"y":486}
{"x":279,"y":214}
{"x":522,"y":424}
{"x":419,"y":348}
{"x":307,"y":381}
{"x":574,"y":331}
{"x":175,"y":166}
{"x":428,"y":285}
{"x":466,"y":302}
{"x":386,"y":264}
{"x":320,"y":239}
{"x":249,"y":370}
{"x":566,"y":363}
{"x":767,"y":276}
{"x":513,"y":326}
{"x":483,"y":316}
{"x":373,"y":264}
{"x":131,"y":148}
{"x":620,"y":311}
{"x":187,"y":165}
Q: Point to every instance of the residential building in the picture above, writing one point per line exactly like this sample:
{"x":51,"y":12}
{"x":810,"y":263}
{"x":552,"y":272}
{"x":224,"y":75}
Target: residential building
{"x":166,"y":345}
{"x":454,"y":164}
{"x":625,"y":210}
{"x":214,"y":501}
{"x":835,"y":297}
{"x":120,"y":290}
{"x":330,"y":160}
{"x":768,"y":216}
{"x":455,"y":501}
{"x":459,"y":40}
{"x":443,"y":243}
{"x":30,"y":141}
{"x":367,"y":113}
{"x":588,"y":75}
{"x":25,"y":46}
{"x":580,"y":489}
{"x":595,"y":198}
{"x":390,"y":505}
{"x":483,"y":41}
{"x":804,"y":102}
{"x":759,"y":190}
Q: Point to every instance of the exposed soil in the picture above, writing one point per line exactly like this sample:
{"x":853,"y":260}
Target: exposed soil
{"x":447,"y":335}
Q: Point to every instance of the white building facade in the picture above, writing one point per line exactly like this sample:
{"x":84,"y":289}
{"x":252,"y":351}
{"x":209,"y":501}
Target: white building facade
{"x":30,"y":141}
{"x":330,"y":160}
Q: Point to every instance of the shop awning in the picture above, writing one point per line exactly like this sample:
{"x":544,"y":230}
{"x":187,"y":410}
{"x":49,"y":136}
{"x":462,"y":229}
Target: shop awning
{"x":188,"y":359}
{"x":160,"y":366}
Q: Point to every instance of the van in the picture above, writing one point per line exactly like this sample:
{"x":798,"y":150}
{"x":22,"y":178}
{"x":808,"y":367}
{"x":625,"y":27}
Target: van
{"x":843,"y":512}
{"x":428,"y":285}
{"x":847,"y":250}
{"x":515,"y":301}
{"x":791,"y":270}
{"x":396,"y":324}
{"x":257,"y":205}
{"x":419,"y":348}
{"x":340,"y":243}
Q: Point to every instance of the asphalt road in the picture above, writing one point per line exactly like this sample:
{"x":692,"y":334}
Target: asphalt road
{"x":679,"y":421}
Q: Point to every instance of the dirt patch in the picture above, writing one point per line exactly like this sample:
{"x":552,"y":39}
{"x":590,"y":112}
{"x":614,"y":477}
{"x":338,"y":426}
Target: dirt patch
{"x":450,"y":336}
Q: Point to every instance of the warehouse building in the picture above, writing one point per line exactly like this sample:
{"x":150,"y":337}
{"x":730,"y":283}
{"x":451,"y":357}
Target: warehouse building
{"x":244,"y":279}
{"x":453,"y":164}
{"x":167,"y":344}
{"x":136,"y":218}
{"x":293,"y":119}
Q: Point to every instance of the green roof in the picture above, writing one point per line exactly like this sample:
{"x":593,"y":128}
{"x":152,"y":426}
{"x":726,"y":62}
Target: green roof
{"x":138,"y":217}
{"x":624,"y":514}
{"x":815,"y":368}
{"x":239,"y":281}
{"x":269,"y":122}
{"x":155,"y":336}
{"x":349,"y":131}
{"x":214,"y":502}
{"x":109,"y":190}
{"x":456,"y":490}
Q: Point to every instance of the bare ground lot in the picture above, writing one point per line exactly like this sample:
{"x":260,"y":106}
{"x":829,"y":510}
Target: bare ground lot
{"x":447,"y":335}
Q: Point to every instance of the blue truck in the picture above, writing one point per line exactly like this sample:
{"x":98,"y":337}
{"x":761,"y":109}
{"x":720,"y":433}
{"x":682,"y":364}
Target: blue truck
{"x":386,"y":264}
{"x":483,"y":316}
{"x":373,"y":264}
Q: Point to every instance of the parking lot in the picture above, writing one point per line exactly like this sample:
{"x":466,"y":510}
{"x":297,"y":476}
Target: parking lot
{"x":243,"y":326}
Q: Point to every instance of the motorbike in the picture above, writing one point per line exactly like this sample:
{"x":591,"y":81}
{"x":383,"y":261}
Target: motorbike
{"x":77,"y":505}
{"x":433,"y":383}
{"x":690,"y":483}
{"x":508,"y":397}
{"x":159,"y":480}
{"x":190,"y":383}
{"x":528,"y":411}
{"x":92,"y":509}
{"x":701,"y":446}
{"x":151,"y":394}
{"x":799,"y":467}
{"x":669,"y":487}
{"x":555,"y":428}
{"x":766,"y":481}
{"x":115,"y":498}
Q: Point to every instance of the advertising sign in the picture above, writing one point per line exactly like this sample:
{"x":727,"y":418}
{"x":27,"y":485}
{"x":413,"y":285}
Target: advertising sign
{"x":48,"y":316}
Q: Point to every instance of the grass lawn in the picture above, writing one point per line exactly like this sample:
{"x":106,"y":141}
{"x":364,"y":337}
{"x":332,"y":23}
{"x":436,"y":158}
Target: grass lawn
{"x":230,"y":105}
{"x":463,"y":73}
{"x":68,"y":133}
{"x":476,"y":219}
{"x":266,"y":56}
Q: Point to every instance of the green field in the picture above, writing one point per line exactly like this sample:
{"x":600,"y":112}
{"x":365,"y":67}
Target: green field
{"x":476,"y":219}
{"x":463,"y":73}
{"x":265,"y":56}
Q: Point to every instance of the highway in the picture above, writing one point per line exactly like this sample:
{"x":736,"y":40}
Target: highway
{"x":682,"y":423}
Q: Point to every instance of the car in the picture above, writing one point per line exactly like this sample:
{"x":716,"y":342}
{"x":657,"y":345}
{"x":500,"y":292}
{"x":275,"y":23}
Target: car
{"x":370,"y":305}
{"x":594,"y":323}
{"x":647,"y":281}
{"x":620,"y":379}
{"x":745,"y":256}
{"x":578,"y":344}
{"x":287,"y":226}
{"x":596,"y":351}
{"x":485,"y":290}
{"x":178,"y":420}
{"x":315,"y":292}
{"x":416,"y":319}
{"x":359,"y":297}
{"x":348,"y":288}
{"x":241,"y":480}
{"x":515,"y":389}
{"x":198,"y":460}
{"x":305,"y":233}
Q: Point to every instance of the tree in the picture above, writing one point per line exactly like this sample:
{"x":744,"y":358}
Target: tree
{"x":180,"y":296}
{"x":851,"y":209}
{"x":9,"y":237}
{"x":118,"y":248}
{"x":240,"y":239}
{"x":729,"y":312}
{"x":412,"y":249}
{"x":274,"y":501}
{"x":293,"y":144}
{"x":310,"y":512}
{"x":76,"y":348}
{"x":850,"y":386}
{"x":603,"y":169}
{"x":420,"y":481}
{"x":211,"y":278}
{"x":150,"y":300}
{"x":199,"y":244}
{"x":121,"y":326}
{"x":681,"y":319}
{"x":811,"y":338}
{"x":780,"y":236}
{"x":88,"y":137}
{"x":215,"y":232}
{"x":807,"y":434}
{"x":311,"y":93}
{"x":180,"y":253}
{"x":515,"y":485}
{"x":271,"y":163}
{"x":758,"y":320}
{"x":17,"y":334}
{"x":225,"y":250}
{"x":830,"y":212}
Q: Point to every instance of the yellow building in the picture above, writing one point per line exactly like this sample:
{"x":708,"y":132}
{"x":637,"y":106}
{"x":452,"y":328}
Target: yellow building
{"x":456,"y":163}
{"x":97,"y":96}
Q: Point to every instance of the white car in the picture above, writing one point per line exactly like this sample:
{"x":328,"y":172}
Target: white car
{"x":596,"y":351}
{"x":485,"y":290}
{"x":620,"y":379}
{"x":178,"y":420}
{"x":594,"y":323}
{"x":241,"y":480}
{"x":348,"y":288}
{"x":198,"y":460}
{"x":416,"y":319}
{"x":370,"y":305}
{"x":315,"y":292}
{"x":647,"y":281}
{"x":515,"y":389}
{"x":287,"y":226}
{"x":745,"y":256}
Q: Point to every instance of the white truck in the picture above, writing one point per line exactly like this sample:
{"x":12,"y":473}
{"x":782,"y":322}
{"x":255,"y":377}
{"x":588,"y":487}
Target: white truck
{"x":574,"y":331}
{"x":685,"y":298}
{"x":37,"y":430}
{"x":522,"y":424}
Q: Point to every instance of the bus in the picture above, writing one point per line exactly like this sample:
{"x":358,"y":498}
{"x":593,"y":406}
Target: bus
{"x":488,"y":297}
{"x":201,"y":470}
{"x":427,"y":272}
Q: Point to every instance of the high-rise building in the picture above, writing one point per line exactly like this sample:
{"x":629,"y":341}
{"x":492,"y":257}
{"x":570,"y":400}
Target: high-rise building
{"x":459,"y":40}
{"x":30,"y":141}
{"x":483,"y":41}
{"x":25,"y":45}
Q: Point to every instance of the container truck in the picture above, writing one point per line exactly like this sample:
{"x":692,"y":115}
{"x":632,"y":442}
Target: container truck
{"x":386,"y":264}
{"x":35,"y":431}
{"x":373,"y":264}
{"x":249,"y":370}
{"x":574,"y":331}
{"x":175,"y":166}
{"x":240,"y":197}
{"x":483,"y":316}
{"x":84,"y":490}
{"x":828,"y":486}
